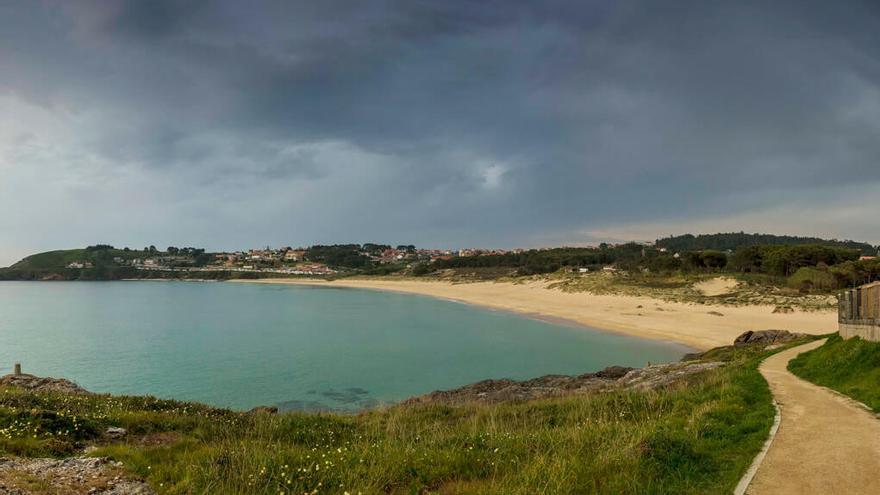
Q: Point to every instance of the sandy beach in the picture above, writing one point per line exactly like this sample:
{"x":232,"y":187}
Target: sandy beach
{"x":696,"y":325}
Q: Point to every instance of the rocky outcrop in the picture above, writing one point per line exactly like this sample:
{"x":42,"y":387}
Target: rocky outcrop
{"x":503,"y":390}
{"x":74,"y":476}
{"x":264,"y":410}
{"x":612,"y":378}
{"x":42,"y":384}
{"x":662,"y":375}
{"x":766,"y":337}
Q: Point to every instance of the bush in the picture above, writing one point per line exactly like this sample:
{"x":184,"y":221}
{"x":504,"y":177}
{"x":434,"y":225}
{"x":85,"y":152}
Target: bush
{"x":807,"y":279}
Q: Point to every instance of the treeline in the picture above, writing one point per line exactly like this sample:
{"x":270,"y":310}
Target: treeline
{"x":840,"y":264}
{"x":537,"y":261}
{"x":786,"y":260}
{"x":341,"y":255}
{"x":356,"y":256}
{"x":734,"y":240}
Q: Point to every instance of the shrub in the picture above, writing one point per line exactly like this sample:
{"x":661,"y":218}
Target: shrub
{"x":807,"y":279}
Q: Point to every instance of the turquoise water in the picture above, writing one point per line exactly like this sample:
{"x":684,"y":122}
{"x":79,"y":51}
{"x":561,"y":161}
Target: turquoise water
{"x":243,"y":345}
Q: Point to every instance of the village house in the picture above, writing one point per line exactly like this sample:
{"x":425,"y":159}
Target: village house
{"x":294,"y":255}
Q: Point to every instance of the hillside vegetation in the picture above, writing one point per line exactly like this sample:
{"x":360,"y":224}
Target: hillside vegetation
{"x":850,"y":366}
{"x":821,"y":267}
{"x":695,"y":437}
{"x":734,"y":240}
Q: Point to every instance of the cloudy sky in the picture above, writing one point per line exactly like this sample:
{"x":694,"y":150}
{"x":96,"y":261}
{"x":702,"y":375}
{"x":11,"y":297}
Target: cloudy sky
{"x":234,"y":124}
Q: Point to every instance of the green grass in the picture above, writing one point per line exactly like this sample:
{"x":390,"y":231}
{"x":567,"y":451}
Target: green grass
{"x":697,"y":437}
{"x":850,"y":366}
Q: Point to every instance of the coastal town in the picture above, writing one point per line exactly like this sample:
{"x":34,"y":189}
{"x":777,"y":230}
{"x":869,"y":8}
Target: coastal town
{"x":313,"y":260}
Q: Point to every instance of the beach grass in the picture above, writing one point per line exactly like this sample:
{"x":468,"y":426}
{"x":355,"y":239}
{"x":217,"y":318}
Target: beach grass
{"x":750,"y":289}
{"x":695,"y":437}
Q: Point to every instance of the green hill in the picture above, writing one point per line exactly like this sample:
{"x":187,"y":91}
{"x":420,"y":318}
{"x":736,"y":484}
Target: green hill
{"x":99,"y":262}
{"x":733,"y":240}
{"x":58,"y":260}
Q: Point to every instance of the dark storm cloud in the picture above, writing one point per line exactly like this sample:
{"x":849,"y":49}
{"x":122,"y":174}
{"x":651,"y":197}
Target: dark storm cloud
{"x":527,"y":119}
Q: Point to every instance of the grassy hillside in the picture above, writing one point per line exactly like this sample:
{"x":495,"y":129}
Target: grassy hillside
{"x":57,"y":260}
{"x":850,"y":366}
{"x":697,"y":437}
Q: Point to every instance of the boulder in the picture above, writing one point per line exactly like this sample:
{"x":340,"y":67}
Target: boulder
{"x":42,"y":384}
{"x":264,"y":410}
{"x":115,"y":432}
{"x":766,"y":337}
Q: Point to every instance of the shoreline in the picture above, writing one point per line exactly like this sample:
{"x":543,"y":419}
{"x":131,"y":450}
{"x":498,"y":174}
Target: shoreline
{"x":698,"y":326}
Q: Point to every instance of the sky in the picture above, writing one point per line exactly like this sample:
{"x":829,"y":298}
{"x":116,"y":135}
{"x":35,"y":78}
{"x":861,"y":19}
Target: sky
{"x":230,"y":125}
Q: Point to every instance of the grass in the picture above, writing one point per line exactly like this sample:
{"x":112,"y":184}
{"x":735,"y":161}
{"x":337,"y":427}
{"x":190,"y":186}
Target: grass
{"x":696,"y":437}
{"x":851,"y":366}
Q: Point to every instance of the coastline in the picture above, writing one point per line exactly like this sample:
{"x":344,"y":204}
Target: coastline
{"x":699,"y":326}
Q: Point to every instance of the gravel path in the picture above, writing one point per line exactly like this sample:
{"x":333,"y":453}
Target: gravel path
{"x":826,"y":443}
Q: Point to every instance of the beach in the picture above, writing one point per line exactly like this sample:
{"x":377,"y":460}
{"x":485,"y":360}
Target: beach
{"x":701,"y":326}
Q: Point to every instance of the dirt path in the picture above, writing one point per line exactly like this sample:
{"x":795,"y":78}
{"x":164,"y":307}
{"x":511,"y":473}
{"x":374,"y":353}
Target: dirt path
{"x":825,"y":444}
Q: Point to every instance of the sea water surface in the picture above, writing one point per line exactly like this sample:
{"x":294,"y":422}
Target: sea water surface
{"x":298,"y":347}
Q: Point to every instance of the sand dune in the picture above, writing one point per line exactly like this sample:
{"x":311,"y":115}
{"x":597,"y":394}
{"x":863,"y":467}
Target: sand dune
{"x":696,"y":325}
{"x":717,"y":286}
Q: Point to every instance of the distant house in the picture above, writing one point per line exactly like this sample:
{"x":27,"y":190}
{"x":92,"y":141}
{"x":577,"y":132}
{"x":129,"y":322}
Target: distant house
{"x":76,"y":265}
{"x":609,"y":269}
{"x":867,"y":258}
{"x":294,"y":255}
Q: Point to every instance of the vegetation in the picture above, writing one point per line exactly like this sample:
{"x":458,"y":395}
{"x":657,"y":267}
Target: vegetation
{"x":786,"y":260}
{"x":694,"y":437}
{"x":735,"y":240}
{"x":750,"y":289}
{"x":841,"y":266}
{"x":850,"y":366}
{"x":342,"y":255}
{"x":550,"y":260}
{"x":818,"y":268}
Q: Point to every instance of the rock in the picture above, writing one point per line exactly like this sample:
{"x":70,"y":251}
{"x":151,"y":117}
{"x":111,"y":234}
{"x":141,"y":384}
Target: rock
{"x":264,"y":410}
{"x":68,"y":476}
{"x":661,"y":375}
{"x":41,"y":384}
{"x":611,"y":378}
{"x":115,"y":432}
{"x":766,"y":337}
{"x":494,"y":391}
{"x":783,"y":309}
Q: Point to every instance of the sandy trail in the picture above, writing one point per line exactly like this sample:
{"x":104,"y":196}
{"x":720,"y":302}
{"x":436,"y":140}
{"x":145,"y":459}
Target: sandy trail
{"x":696,"y":325}
{"x":826,"y":443}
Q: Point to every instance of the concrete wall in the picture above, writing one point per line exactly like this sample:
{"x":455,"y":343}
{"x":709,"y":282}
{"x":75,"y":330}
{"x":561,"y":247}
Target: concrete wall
{"x":867,"y":331}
